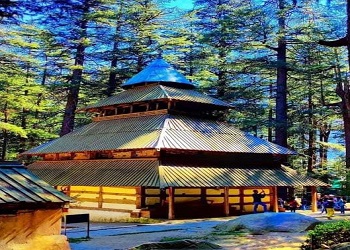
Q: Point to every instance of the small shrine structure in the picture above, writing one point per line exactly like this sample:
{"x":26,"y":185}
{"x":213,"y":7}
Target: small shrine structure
{"x":157,"y":149}
{"x":30,"y":210}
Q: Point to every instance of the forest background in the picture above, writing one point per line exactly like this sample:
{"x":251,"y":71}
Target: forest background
{"x":262,"y":56}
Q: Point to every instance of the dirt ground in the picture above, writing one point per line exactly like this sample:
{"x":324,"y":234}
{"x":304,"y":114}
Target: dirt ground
{"x":273,"y":240}
{"x":286,"y":241}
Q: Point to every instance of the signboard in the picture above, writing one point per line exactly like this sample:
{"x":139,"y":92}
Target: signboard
{"x":77,"y":218}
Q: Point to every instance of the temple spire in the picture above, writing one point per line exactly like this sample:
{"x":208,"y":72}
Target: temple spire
{"x":159,"y":71}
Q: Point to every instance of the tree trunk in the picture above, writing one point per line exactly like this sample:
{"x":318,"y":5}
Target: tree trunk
{"x":311,"y":121}
{"x":112,"y":82}
{"x":23,"y":141}
{"x":5,"y":135}
{"x":269,"y":130}
{"x":346,"y":120}
{"x":342,"y":88}
{"x":281,"y":94}
{"x":73,"y":91}
{"x":325,"y":131}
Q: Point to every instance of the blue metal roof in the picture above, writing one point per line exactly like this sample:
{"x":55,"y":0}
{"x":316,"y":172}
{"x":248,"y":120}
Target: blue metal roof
{"x":158,"y":71}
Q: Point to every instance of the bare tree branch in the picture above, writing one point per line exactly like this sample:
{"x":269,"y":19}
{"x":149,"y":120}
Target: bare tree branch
{"x":335,"y":43}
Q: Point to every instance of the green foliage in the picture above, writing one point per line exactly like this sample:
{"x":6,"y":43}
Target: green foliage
{"x":328,"y":234}
{"x":78,"y":240}
{"x":226,"y":47}
{"x":13,"y":129}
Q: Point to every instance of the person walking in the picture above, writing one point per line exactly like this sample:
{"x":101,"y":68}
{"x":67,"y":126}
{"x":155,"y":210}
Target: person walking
{"x":324,"y":204}
{"x":293,"y":204}
{"x":341,"y":204}
{"x":257,"y":200}
{"x":330,"y":207}
{"x":303,"y":203}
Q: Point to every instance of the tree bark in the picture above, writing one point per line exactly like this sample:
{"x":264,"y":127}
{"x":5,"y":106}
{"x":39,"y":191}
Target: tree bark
{"x":73,"y":91}
{"x":4,"y":134}
{"x":112,"y":82}
{"x":325,"y":131}
{"x":335,"y":43}
{"x":342,"y":88}
{"x":281,"y":94}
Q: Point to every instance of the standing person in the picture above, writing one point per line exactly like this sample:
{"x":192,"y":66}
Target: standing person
{"x":341,"y":204}
{"x":330,"y":207}
{"x":324,"y":204}
{"x":303,"y":203}
{"x":257,"y":200}
{"x":293,"y":204}
{"x":162,"y":196}
{"x":280,"y":202}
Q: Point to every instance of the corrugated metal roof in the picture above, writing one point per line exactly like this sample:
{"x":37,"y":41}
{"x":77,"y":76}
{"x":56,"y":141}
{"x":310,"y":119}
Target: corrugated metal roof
{"x":187,"y":133}
{"x":156,"y":92}
{"x":158,"y":71}
{"x":17,"y":184}
{"x":175,"y":176}
{"x":161,"y":132}
{"x":169,"y":174}
{"x":129,"y":133}
{"x":98,"y":172}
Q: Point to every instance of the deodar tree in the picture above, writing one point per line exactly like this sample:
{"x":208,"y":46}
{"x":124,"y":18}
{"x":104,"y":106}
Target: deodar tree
{"x":343,"y":86}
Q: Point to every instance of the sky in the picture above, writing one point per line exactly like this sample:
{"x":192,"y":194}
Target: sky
{"x":184,"y":4}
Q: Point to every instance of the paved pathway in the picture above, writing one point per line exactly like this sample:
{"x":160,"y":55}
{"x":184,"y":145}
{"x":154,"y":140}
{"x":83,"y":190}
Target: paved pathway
{"x":109,"y":236}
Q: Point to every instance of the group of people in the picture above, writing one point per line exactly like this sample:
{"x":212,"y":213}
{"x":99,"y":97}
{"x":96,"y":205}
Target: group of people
{"x":329,"y":203}
{"x":293,"y":203}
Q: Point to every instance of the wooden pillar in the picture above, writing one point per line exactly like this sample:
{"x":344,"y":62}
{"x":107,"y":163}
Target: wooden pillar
{"x":313,"y":199}
{"x":100,"y":197}
{"x":241,"y":200}
{"x":274,"y":202}
{"x":171,"y":212}
{"x":203,"y":195}
{"x":226,"y":201}
{"x":140,"y":197}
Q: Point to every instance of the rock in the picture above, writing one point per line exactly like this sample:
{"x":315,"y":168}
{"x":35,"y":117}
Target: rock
{"x":270,"y":222}
{"x":341,"y":246}
{"x":177,"y":244}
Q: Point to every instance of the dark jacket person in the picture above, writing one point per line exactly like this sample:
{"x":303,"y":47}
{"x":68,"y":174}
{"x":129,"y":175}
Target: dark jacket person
{"x":257,"y":200}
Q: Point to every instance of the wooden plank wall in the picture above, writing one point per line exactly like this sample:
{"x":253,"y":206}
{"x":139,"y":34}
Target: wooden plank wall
{"x":130,"y":198}
{"x":107,"y":198}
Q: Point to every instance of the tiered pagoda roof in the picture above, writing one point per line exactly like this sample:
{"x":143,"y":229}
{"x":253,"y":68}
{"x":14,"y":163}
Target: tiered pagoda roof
{"x":159,"y":110}
{"x":161,"y":132}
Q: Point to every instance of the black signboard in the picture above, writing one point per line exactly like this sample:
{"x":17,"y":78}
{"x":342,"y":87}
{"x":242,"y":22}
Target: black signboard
{"x":77,"y":218}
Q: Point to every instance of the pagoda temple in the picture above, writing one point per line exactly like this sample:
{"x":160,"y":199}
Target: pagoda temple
{"x":157,"y":149}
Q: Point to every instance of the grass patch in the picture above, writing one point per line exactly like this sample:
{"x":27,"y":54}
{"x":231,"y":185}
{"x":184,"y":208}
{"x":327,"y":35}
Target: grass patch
{"x":230,"y":233}
{"x":128,"y":220}
{"x":78,"y":240}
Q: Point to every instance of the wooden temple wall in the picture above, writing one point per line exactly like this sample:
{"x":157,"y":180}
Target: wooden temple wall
{"x":121,"y":199}
{"x":127,"y":199}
